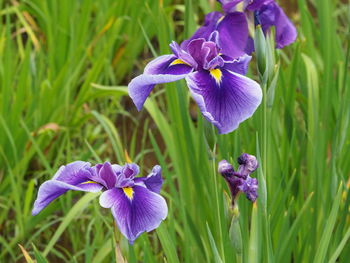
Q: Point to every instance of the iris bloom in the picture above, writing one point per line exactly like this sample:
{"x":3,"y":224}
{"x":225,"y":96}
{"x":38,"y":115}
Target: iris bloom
{"x":267,"y":13}
{"x":241,"y":181}
{"x":216,"y":81}
{"x":135,"y":201}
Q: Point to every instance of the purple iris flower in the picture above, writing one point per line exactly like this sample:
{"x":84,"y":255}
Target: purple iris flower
{"x":135,"y":201}
{"x":240,"y":180}
{"x":216,"y":81}
{"x":267,"y":13}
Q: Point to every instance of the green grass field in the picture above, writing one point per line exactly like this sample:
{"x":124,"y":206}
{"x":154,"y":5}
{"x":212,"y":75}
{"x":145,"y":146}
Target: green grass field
{"x":64,"y":70}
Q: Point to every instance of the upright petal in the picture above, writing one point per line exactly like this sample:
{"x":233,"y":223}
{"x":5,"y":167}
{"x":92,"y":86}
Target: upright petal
{"x":135,"y":212}
{"x":225,"y":98}
{"x":75,"y":176}
{"x":164,"y":69}
{"x":107,"y":175}
{"x":233,"y":34}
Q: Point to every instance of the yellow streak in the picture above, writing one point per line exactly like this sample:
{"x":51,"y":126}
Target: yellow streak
{"x":128,"y":192}
{"x":177,"y":61}
{"x":216,"y":74}
{"x":220,"y":19}
{"x":89,"y":182}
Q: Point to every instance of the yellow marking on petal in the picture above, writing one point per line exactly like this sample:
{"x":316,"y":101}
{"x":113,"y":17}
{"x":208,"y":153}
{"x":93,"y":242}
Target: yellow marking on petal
{"x":129,"y":192}
{"x":89,"y":182}
{"x":177,"y":62}
{"x":220,"y":19}
{"x":216,"y":74}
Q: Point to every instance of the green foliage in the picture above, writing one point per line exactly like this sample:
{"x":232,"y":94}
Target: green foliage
{"x":64,"y":67}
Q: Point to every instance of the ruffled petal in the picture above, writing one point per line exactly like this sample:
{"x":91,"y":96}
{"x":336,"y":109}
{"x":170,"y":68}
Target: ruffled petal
{"x":225,"y":98}
{"x":153,"y":181}
{"x":161,"y":70}
{"x":75,"y":176}
{"x":135,"y":211}
{"x":239,"y":65}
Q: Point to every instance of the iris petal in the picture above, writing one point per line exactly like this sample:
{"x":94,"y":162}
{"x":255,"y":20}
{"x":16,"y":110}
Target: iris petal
{"x":228,"y":103}
{"x":153,"y":181}
{"x":157,"y":71}
{"x":75,"y":176}
{"x":143,"y":213}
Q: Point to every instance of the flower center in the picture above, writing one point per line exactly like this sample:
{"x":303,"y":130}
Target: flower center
{"x":129,"y":192}
{"x":216,"y":74}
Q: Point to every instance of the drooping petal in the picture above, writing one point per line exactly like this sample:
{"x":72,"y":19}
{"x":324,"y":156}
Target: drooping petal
{"x":136,"y":211}
{"x":272,"y":15}
{"x":225,"y":98}
{"x":153,"y":181}
{"x":75,"y":176}
{"x":73,"y":173}
{"x":163,"y":69}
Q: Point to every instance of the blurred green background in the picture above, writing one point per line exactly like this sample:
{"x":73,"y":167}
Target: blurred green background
{"x":64,"y":68}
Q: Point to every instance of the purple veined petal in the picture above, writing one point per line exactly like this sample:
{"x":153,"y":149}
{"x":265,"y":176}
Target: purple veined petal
{"x":52,"y":189}
{"x":153,"y":181}
{"x":74,"y":176}
{"x":73,"y":173}
{"x":273,"y":15}
{"x":107,"y":174}
{"x":164,"y":69}
{"x":233,"y":34}
{"x":239,"y":65}
{"x":225,"y":98}
{"x":136,"y":210}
